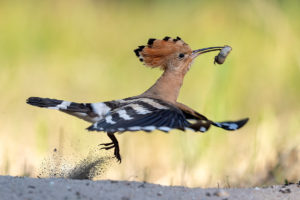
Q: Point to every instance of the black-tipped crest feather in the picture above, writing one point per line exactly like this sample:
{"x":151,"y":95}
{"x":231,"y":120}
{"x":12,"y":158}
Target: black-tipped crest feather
{"x":166,"y":38}
{"x":150,"y":41}
{"x":137,"y":52}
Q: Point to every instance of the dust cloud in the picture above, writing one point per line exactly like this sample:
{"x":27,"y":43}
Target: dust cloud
{"x":58,"y":165}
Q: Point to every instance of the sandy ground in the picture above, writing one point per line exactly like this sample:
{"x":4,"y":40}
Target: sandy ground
{"x":13,"y":188}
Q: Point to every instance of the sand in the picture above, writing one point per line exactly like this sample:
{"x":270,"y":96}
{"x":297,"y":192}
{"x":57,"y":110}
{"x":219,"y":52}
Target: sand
{"x":14,"y":188}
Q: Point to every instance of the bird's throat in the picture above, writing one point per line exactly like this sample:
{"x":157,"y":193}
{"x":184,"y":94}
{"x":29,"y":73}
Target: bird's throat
{"x":167,"y":87}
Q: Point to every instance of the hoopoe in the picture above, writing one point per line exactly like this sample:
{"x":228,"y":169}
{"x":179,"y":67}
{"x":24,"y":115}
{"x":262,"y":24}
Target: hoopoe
{"x":155,"y":109}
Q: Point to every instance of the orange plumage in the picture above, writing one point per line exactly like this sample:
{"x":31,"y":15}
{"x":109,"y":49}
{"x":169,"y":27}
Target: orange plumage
{"x":160,"y":52}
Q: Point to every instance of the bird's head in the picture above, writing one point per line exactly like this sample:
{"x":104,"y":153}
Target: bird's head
{"x":170,"y":54}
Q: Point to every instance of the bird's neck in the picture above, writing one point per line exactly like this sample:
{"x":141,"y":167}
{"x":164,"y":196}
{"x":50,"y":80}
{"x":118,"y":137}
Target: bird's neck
{"x":167,"y":87}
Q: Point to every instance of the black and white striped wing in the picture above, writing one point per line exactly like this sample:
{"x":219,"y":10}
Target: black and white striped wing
{"x":138,"y":116}
{"x":91,"y":112}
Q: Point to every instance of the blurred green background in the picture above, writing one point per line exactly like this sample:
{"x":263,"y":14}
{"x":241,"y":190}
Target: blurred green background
{"x":82,"y":51}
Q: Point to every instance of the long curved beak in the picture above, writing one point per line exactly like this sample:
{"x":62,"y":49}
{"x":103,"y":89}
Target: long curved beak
{"x":198,"y":52}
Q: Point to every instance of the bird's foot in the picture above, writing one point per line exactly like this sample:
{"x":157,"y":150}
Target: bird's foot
{"x":114,"y":144}
{"x":107,"y":146}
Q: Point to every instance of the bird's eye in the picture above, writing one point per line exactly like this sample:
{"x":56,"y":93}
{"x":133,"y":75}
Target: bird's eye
{"x":181,"y":55}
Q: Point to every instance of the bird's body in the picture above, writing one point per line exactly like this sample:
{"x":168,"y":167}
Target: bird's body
{"x":155,"y":109}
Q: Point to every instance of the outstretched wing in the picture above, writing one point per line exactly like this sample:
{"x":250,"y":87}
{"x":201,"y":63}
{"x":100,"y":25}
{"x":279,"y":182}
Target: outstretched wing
{"x":144,"y":114}
{"x":91,"y":112}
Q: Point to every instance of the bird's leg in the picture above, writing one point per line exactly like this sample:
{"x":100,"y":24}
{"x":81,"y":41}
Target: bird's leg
{"x":116,"y":145}
{"x":113,"y":144}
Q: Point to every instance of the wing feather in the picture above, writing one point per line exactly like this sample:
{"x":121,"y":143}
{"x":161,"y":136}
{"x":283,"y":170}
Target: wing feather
{"x":154,"y":118}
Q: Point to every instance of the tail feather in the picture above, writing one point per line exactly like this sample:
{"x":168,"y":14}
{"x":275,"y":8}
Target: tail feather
{"x":201,"y":125}
{"x":231,"y":125}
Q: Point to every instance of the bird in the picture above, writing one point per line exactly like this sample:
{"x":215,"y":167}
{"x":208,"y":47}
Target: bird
{"x":155,"y":109}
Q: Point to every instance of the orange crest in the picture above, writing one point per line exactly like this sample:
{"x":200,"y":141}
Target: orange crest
{"x":159,"y":52}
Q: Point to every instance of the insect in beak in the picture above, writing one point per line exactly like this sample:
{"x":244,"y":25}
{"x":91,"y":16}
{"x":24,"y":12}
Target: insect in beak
{"x":220,"y":58}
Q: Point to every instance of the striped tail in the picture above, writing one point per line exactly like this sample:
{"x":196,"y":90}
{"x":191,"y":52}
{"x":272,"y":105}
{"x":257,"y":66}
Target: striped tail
{"x":90,"y":112}
{"x":204,"y":125}
{"x":231,"y":125}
